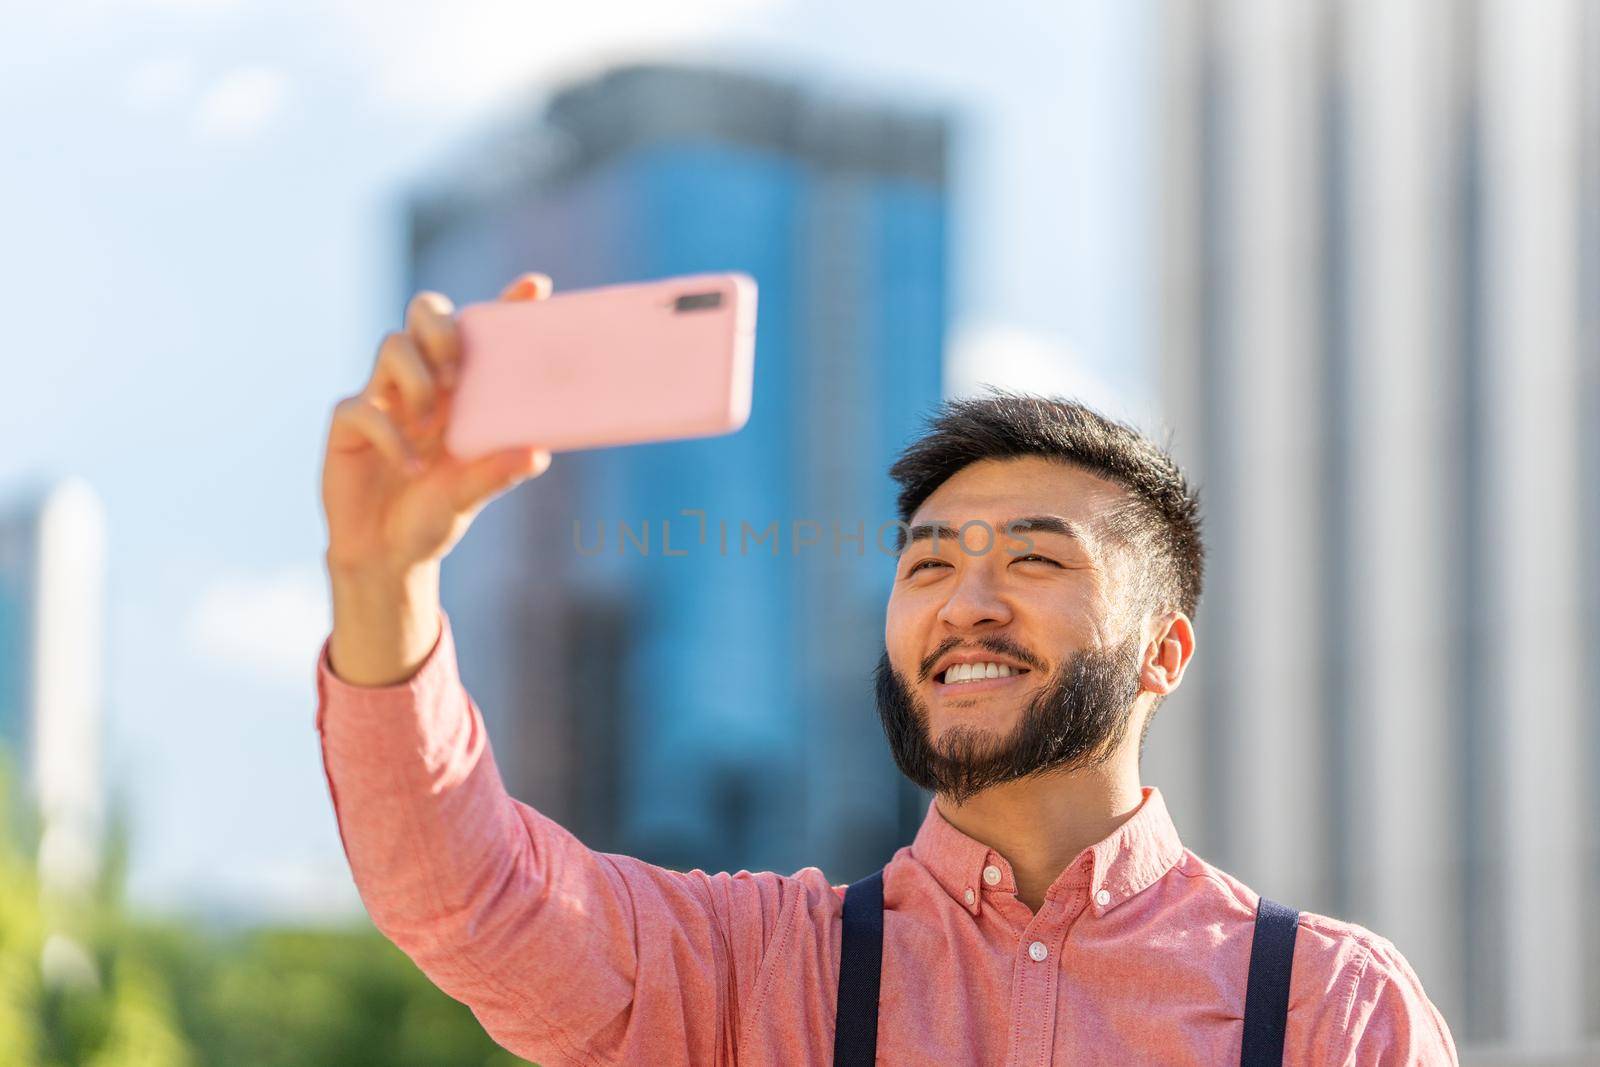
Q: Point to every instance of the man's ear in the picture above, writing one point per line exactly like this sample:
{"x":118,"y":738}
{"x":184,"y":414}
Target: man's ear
{"x":1167,"y":653}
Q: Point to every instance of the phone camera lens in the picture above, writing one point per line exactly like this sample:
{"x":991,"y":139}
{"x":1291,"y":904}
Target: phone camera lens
{"x":697,"y":301}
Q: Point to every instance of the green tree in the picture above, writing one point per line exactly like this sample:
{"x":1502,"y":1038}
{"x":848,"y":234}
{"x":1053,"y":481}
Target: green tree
{"x":85,"y":984}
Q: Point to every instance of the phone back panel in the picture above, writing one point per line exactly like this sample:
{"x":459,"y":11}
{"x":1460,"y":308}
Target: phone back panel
{"x":613,"y":365}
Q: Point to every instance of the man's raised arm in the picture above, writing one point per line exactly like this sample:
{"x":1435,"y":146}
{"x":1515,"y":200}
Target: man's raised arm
{"x":565,"y":955}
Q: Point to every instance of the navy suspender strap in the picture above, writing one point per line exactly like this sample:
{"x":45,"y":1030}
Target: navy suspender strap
{"x":855,"y":1042}
{"x":855,"y":1039}
{"x":1266,"y":996}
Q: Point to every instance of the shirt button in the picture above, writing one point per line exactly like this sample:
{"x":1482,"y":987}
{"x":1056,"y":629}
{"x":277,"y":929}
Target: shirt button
{"x":1038,"y":951}
{"x":991,"y":874}
{"x":1102,"y":897}
{"x":971,"y":896}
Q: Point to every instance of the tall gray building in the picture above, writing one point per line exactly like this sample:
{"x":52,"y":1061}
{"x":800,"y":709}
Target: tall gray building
{"x":1381,"y":252}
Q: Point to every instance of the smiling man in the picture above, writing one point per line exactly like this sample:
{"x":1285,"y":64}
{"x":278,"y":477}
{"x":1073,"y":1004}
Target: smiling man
{"x":1046,"y":912}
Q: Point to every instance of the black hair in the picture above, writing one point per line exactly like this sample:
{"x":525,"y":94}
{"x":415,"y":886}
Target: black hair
{"x":1159,"y":522}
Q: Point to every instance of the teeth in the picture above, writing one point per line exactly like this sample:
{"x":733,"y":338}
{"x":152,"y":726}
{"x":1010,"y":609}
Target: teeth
{"x":972,"y":672}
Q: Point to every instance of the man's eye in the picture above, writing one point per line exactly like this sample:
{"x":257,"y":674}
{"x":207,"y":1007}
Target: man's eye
{"x":924,"y":563}
{"x":1041,"y":559}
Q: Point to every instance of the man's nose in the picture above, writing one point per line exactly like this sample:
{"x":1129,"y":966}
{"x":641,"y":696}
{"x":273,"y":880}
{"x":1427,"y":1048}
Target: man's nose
{"x":975,"y":600}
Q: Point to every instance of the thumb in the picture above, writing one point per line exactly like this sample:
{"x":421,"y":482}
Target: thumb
{"x":487,"y":477}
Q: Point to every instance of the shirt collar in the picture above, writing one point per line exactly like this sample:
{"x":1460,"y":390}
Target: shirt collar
{"x":1119,"y":866}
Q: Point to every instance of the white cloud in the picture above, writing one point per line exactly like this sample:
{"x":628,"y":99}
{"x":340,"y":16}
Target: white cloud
{"x":269,"y":624}
{"x":276,"y":888}
{"x":444,"y":58}
{"x":282,"y":889}
{"x":242,"y":102}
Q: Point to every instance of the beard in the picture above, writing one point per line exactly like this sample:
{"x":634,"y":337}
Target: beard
{"x":1078,"y":719}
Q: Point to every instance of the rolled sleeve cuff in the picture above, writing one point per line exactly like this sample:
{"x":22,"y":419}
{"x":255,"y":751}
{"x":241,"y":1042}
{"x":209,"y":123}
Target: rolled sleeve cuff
{"x":426,"y":715}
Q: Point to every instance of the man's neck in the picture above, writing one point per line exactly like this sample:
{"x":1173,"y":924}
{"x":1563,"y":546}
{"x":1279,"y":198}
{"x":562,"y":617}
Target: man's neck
{"x":1041,"y":824}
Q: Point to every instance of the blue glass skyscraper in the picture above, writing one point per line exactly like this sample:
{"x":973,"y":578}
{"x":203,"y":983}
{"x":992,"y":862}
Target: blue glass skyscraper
{"x":712,"y":707}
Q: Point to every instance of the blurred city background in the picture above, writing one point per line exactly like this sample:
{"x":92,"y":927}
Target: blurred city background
{"x":1343,"y":255}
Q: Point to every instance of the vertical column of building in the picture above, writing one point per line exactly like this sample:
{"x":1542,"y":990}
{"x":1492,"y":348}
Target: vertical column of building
{"x":1473,"y":737}
{"x":1589,"y":358}
{"x":1267,"y":372}
{"x":1530,"y":93}
{"x":68,"y":642}
{"x":831,"y":441}
{"x":1401,"y":640}
{"x":1172,"y":756}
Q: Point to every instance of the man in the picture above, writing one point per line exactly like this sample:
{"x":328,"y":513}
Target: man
{"x":1046,"y":911}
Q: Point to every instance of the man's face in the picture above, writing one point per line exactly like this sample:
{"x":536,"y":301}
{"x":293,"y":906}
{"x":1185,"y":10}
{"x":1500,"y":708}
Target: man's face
{"x":1050,"y":615}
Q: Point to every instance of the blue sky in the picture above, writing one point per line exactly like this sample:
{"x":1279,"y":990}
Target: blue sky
{"x":202,"y":250}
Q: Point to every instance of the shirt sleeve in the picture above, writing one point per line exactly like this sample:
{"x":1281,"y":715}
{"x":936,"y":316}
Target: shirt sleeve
{"x":1391,"y":1021}
{"x":564,"y":954}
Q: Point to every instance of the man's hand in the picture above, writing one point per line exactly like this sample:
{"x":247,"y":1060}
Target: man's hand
{"x":396,"y":501}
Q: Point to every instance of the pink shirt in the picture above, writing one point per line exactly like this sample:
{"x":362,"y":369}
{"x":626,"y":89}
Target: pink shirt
{"x":570,"y":956}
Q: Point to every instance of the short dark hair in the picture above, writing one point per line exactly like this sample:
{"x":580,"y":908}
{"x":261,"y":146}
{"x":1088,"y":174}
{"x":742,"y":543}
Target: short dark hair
{"x":1159,"y":525}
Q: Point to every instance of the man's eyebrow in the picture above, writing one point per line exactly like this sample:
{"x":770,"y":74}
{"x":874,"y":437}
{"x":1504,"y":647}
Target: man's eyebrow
{"x":1046,"y":524}
{"x":1030,"y":524}
{"x":923,"y":531}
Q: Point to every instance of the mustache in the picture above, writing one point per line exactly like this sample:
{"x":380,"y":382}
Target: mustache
{"x":999,"y":644}
{"x":1078,"y":719}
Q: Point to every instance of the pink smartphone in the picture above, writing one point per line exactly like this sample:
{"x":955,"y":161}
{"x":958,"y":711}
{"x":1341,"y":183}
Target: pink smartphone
{"x":613,"y":365}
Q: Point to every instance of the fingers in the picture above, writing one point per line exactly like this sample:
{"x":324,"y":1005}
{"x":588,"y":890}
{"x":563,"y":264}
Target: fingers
{"x":401,"y":364}
{"x":431,"y":324}
{"x":359,"y":421}
{"x":485,"y":478}
{"x":402,"y":408}
{"x":530,"y":286}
